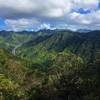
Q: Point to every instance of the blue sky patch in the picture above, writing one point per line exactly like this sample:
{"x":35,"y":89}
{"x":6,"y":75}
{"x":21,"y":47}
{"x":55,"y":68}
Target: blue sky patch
{"x":82,"y":10}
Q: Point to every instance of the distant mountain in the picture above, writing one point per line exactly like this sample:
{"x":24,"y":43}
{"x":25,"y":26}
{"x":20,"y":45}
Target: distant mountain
{"x":9,"y":39}
{"x":86,"y":45}
{"x":83,"y":30}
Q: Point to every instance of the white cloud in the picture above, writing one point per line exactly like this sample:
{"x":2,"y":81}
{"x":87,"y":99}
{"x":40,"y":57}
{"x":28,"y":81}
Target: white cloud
{"x":25,"y":14}
{"x":30,"y":8}
{"x":46,"y":26}
{"x":86,"y":3}
{"x":20,"y":24}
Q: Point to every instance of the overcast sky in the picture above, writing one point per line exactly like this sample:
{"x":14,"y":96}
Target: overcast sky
{"x":20,"y":15}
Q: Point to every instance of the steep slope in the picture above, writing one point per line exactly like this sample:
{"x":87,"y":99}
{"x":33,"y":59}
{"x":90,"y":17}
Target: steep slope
{"x":50,"y":71}
{"x":83,"y":44}
{"x":86,"y":45}
{"x":12,"y":67}
{"x":10,"y":40}
{"x":12,"y":74}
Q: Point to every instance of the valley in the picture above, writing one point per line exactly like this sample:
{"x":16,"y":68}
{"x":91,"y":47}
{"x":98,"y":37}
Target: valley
{"x":49,"y":49}
{"x":49,"y":65}
{"x":15,"y":48}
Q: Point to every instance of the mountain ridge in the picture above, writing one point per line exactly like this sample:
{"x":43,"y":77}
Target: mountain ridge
{"x":82,"y":44}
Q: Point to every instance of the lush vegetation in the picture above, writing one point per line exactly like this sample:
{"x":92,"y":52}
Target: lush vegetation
{"x":60,"y":66}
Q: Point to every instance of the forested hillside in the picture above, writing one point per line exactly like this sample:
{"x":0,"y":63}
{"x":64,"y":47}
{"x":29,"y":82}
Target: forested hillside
{"x":86,"y":45}
{"x":50,"y":65}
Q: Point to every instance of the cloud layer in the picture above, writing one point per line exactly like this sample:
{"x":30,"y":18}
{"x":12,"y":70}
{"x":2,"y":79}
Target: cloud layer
{"x":31,"y":14}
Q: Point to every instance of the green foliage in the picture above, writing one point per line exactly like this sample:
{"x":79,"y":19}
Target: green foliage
{"x":62,"y":66}
{"x":8,"y":89}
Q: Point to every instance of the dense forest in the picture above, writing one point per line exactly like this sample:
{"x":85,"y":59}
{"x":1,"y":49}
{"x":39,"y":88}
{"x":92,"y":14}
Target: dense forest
{"x":50,"y":65}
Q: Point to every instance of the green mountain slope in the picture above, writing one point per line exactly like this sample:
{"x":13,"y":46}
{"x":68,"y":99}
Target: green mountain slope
{"x":86,"y":45}
{"x":50,"y":66}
